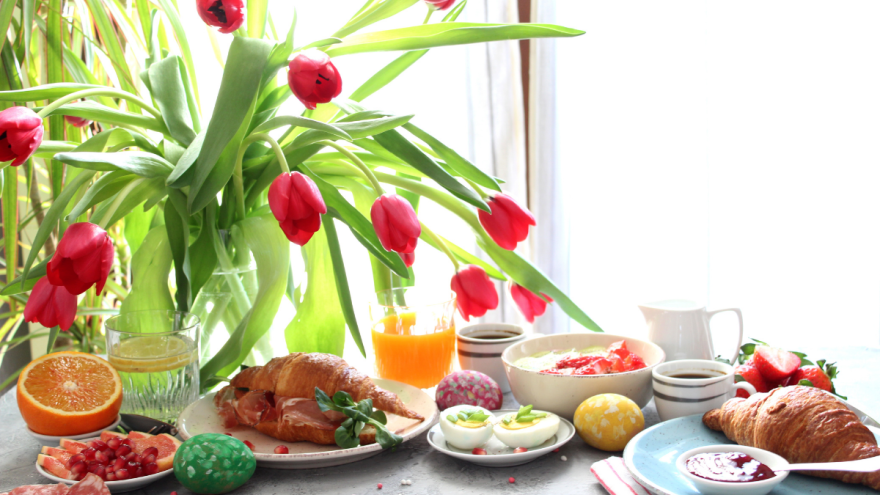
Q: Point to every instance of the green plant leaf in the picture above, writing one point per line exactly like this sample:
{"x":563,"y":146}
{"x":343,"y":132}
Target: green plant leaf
{"x":445,"y":34}
{"x":45,"y":92}
{"x":150,"y":267}
{"x":167,"y":88}
{"x":111,"y":43}
{"x":52,"y":216}
{"x":202,"y":266}
{"x":342,"y":289}
{"x":100,"y":113}
{"x":180,"y":35}
{"x":319,"y":324}
{"x":465,"y":256}
{"x":140,"y":163}
{"x":183,"y":171}
{"x":372,"y":13}
{"x":456,"y":162}
{"x":235,"y":104}
{"x":137,"y":226}
{"x":271,"y":251}
{"x":17,"y":287}
{"x":6,"y":9}
{"x":178,"y":239}
{"x":394,"y":142}
{"x":257,"y":10}
{"x":525,"y":274}
{"x":295,"y":121}
{"x":53,"y":334}
{"x":104,"y":188}
{"x":145,"y":190}
{"x":355,"y":128}
{"x":387,"y":74}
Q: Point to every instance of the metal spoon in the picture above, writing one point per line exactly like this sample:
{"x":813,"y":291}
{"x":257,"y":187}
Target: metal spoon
{"x":145,"y":424}
{"x":868,"y":465}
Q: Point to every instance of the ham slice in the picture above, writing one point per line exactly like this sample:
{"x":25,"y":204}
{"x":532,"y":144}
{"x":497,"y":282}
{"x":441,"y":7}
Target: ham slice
{"x":300,"y":412}
{"x":92,"y":484}
{"x":59,"y":489}
{"x":258,"y":406}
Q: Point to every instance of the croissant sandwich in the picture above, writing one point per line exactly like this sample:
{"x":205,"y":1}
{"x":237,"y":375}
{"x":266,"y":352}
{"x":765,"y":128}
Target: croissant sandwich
{"x":278,"y":399}
{"x":801,"y":424}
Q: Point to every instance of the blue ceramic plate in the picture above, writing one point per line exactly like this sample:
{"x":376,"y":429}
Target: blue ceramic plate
{"x":651,"y":455}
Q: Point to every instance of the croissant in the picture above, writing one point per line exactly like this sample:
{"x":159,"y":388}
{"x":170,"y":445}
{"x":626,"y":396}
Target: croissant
{"x":278,"y":399}
{"x":801,"y":424}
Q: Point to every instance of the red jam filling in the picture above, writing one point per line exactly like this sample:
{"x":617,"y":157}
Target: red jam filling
{"x":728,"y":467}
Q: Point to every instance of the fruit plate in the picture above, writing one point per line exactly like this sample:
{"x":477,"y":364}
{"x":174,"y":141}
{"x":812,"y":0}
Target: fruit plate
{"x":651,"y":456}
{"x":121,"y":486}
{"x":201,"y":417}
{"x":498,"y":454}
{"x":52,"y":441}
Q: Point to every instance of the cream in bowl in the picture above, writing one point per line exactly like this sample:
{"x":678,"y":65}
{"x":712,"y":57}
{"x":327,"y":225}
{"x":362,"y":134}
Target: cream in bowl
{"x":466,"y":427}
{"x":561,"y":393}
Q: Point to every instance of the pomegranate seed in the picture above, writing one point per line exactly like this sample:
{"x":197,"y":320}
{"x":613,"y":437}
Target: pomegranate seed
{"x":148,"y":459}
{"x":110,"y":476}
{"x":80,"y":476}
{"x":132,"y":466}
{"x":93,"y":467}
{"x":101,"y":457}
{"x":478,"y":451}
{"x":379,"y":486}
{"x":250,"y":445}
{"x":125,"y":441}
{"x":511,"y":480}
{"x":119,"y":463}
{"x":122,"y":451}
{"x":137,"y":458}
{"x":139,"y":473}
{"x":151,"y":468}
{"x":122,"y":474}
{"x":130,"y":456}
{"x":520,"y":450}
{"x":97,"y":445}
{"x":281,"y":449}
{"x":150,"y":450}
{"x":89,"y":453}
{"x":110,"y":453}
{"x":227,"y":433}
{"x":100,"y":471}
{"x":556,"y":450}
{"x":73,"y":460}
{"x":114,"y":443}
{"x":78,"y":467}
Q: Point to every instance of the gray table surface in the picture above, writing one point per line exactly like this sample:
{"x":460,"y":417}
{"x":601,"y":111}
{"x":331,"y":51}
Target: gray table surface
{"x":431,"y":472}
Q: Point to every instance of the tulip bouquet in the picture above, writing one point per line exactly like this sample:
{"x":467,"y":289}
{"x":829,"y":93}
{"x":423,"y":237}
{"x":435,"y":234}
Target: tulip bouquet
{"x":139,"y":186}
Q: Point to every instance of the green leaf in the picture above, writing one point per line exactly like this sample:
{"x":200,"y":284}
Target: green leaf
{"x":525,"y":274}
{"x":104,"y":188}
{"x":17,"y":287}
{"x":295,"y":121}
{"x":271,"y":250}
{"x":202,"y":266}
{"x":465,"y":256}
{"x":52,"y":216}
{"x":375,"y":12}
{"x":143,"y":191}
{"x":183,"y":172}
{"x":150,"y":266}
{"x":10,"y":220}
{"x":139,"y":163}
{"x":137,"y":226}
{"x":456,"y":162}
{"x":356,"y":129}
{"x":257,"y":10}
{"x":446,"y":34}
{"x":387,"y":74}
{"x":342,"y":290}
{"x":235,"y":104}
{"x":319,"y":324}
{"x":167,"y":88}
{"x":100,"y":113}
{"x":45,"y":92}
{"x":180,"y":34}
{"x":6,"y":9}
{"x":178,"y":238}
{"x":394,"y":142}
{"x":53,"y":334}
{"x":111,"y":43}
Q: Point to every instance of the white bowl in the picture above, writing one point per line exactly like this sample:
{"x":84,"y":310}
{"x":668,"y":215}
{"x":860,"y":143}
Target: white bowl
{"x":562,"y":394}
{"x":53,"y":441}
{"x":121,"y":486}
{"x":709,"y":487}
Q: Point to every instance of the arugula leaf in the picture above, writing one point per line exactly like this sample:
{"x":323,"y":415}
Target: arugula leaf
{"x":359,"y":415}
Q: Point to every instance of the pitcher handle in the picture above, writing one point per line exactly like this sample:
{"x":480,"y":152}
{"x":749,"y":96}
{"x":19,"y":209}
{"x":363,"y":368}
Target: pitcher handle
{"x":740,"y":339}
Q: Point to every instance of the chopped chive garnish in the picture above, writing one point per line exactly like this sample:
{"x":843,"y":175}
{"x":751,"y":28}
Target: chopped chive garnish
{"x":528,"y":418}
{"x":478,"y":417}
{"x":452,"y":419}
{"x":462,"y":416}
{"x":540,"y":414}
{"x":524,"y":410}
{"x":506,"y":420}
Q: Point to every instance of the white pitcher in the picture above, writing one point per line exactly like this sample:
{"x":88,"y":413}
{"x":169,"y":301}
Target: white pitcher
{"x":681,"y":328}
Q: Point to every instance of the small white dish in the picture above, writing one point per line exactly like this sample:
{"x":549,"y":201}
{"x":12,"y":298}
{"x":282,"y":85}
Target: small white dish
{"x":498,"y":454}
{"x":121,"y":486}
{"x":53,"y":441}
{"x":709,"y":487}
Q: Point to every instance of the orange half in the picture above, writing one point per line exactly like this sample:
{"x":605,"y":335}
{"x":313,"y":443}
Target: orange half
{"x":69,"y":393}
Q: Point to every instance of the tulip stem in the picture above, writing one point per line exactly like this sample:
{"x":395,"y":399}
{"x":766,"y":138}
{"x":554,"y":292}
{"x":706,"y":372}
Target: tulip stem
{"x":441,"y":245}
{"x":357,"y":161}
{"x":55,"y":105}
{"x":428,"y":17}
{"x":237,"y":178}
{"x":476,"y":187}
{"x":118,"y":201}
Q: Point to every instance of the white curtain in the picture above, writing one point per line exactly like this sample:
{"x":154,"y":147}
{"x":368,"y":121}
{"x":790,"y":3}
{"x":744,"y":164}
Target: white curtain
{"x":723,"y":152}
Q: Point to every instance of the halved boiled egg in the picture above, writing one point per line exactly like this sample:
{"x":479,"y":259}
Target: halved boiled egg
{"x":466,"y":427}
{"x":527,"y":428}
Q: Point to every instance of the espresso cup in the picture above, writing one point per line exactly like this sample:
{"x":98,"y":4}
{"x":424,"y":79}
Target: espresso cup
{"x":693,"y":386}
{"x":480,"y":347}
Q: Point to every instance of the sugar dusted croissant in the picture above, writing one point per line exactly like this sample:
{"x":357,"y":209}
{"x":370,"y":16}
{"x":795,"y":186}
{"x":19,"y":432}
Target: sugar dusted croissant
{"x":801,"y":424}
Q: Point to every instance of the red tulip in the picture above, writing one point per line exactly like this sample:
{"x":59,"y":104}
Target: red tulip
{"x":440,"y":4}
{"x":21,"y":132}
{"x":313,"y":78}
{"x":50,"y":305}
{"x":529,"y":304}
{"x":396,"y":223}
{"x":228,"y":15}
{"x":83,"y":258}
{"x":508,"y":223}
{"x":474,"y":292}
{"x":408,"y":258}
{"x":297,"y":205}
{"x":76,"y":121}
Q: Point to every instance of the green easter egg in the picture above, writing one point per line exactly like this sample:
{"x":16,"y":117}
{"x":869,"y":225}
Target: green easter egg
{"x":212,"y":463}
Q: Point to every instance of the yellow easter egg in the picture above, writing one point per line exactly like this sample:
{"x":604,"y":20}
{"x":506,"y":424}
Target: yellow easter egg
{"x":608,"y":421}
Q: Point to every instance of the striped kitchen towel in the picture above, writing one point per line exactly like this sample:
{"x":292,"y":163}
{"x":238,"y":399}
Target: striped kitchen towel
{"x":615,"y":477}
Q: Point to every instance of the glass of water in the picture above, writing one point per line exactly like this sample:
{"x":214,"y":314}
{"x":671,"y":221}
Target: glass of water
{"x":157,"y":356}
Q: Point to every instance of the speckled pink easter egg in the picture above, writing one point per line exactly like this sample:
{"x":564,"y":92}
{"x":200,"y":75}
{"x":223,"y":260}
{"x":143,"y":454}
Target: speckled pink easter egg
{"x":471,"y":388}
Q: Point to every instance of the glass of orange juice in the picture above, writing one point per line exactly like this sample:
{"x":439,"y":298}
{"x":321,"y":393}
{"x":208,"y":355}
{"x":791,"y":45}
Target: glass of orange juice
{"x":413,"y":336}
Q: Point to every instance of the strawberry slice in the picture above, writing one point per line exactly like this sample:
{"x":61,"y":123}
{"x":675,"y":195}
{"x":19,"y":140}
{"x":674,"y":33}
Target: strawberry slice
{"x":750,"y":373}
{"x":775,"y":364}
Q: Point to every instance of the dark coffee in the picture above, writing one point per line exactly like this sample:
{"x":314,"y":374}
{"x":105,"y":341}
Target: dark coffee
{"x":493,"y":335}
{"x":695,"y":376}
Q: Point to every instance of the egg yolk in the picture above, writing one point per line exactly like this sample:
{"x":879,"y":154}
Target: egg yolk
{"x":470,"y":424}
{"x":516,"y":425}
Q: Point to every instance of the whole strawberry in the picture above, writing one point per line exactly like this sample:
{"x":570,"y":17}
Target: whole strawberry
{"x":749,"y":372}
{"x":819,"y":376}
{"x":775,"y":364}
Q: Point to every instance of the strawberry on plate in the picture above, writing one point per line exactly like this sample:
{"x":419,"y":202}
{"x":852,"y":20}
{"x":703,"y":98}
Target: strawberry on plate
{"x":749,"y":372}
{"x":775,"y":364}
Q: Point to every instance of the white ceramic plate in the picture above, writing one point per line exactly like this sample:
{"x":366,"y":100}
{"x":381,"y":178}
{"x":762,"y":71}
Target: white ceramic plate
{"x":54,"y":441}
{"x":498,"y":454}
{"x":201,"y":417}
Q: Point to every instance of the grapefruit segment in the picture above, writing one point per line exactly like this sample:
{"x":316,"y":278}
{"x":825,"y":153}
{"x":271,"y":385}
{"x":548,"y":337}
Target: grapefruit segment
{"x":54,"y":466}
{"x":107,"y":435}
{"x":165,"y":443}
{"x":69,"y":393}
{"x":138,"y":435}
{"x":60,"y":454}
{"x":72,"y":446}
